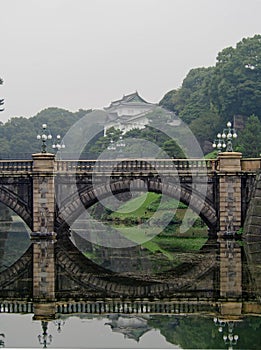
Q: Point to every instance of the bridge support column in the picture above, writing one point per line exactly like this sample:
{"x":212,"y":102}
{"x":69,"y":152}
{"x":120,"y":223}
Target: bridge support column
{"x":229,"y":191}
{"x":43,"y":266}
{"x":230,"y":268}
{"x":43,"y":236}
{"x":43,"y":192}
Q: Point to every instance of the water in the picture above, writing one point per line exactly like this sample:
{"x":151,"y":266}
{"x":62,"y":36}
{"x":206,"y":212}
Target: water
{"x":128,"y":331}
{"x":76,"y":332}
{"x":184,"y":326}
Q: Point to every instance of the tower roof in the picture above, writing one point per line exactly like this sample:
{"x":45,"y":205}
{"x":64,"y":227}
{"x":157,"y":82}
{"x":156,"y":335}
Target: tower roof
{"x":133,"y":98}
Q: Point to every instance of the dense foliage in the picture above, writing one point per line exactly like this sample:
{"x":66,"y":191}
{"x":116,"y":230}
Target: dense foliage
{"x":209,"y":97}
{"x":194,"y":332}
{"x":249,"y":140}
{"x":18,"y":135}
{"x":132,"y":147}
{"x":236,"y":81}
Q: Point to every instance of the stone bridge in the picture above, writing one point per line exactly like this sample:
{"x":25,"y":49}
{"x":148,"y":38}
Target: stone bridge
{"x":50,"y":194}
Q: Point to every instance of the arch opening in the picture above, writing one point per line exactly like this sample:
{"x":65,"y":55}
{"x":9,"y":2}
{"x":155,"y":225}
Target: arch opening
{"x":165,"y":246}
{"x":14,"y":237}
{"x":16,"y":204}
{"x":86,"y":198}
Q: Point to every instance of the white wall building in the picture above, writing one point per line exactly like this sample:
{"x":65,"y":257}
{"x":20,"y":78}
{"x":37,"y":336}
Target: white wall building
{"x":128,"y":113}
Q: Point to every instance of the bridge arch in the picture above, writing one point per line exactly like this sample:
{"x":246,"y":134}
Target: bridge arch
{"x":75,"y":205}
{"x":89,"y":277}
{"x":87,"y":274}
{"x":15,"y":203}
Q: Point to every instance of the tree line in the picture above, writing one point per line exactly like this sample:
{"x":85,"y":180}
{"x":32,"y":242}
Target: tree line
{"x":18,"y":135}
{"x":206,"y":100}
{"x":210,"y":97}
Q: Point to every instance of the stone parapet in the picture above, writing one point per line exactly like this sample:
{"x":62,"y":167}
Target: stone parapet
{"x":251,"y":164}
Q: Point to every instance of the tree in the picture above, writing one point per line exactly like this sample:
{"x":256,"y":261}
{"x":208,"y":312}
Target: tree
{"x":235,"y":87}
{"x":173,"y":150}
{"x":113,"y":134}
{"x":209,"y":97}
{"x":18,"y":134}
{"x":191,"y":100}
{"x":206,"y":128}
{"x":249,"y":139}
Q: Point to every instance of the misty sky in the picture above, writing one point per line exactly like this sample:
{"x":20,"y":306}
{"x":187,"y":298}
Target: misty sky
{"x":85,"y":53}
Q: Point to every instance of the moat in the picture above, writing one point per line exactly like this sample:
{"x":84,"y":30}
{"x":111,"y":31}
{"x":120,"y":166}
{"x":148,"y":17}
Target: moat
{"x":130,"y":331}
{"x":207,"y":313}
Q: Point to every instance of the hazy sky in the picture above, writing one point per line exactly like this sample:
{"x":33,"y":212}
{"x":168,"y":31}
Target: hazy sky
{"x":85,"y":53}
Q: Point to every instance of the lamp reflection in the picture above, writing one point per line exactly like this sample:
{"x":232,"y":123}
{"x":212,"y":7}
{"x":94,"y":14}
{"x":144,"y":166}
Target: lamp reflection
{"x":59,"y":323}
{"x":44,"y":338}
{"x":227,"y":329}
{"x":2,"y":343}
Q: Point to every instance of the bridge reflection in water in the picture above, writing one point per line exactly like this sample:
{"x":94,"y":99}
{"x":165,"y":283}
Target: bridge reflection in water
{"x":218,"y":309}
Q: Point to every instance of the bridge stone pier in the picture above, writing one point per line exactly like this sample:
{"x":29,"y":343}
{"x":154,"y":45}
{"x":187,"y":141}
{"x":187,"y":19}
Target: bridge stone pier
{"x":230,"y":268}
{"x":43,"y":236}
{"x":43,"y":192}
{"x":43,"y":266}
{"x":230,"y":188}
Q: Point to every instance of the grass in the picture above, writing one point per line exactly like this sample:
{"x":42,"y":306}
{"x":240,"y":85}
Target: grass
{"x":140,"y":207}
{"x":167,"y":242}
{"x":181,"y":244}
{"x":137,"y":207}
{"x":153,"y":247}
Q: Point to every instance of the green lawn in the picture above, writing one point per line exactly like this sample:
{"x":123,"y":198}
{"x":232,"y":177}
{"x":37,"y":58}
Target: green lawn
{"x":151,"y":237}
{"x":136,"y":207}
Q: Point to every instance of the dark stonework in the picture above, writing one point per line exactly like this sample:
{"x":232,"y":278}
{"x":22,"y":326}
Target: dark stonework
{"x":252,"y":235}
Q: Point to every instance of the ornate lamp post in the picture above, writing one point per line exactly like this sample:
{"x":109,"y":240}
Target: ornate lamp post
{"x":219,"y":143}
{"x":59,"y":143}
{"x":225,"y":138}
{"x":44,"y":136}
{"x":45,"y":339}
